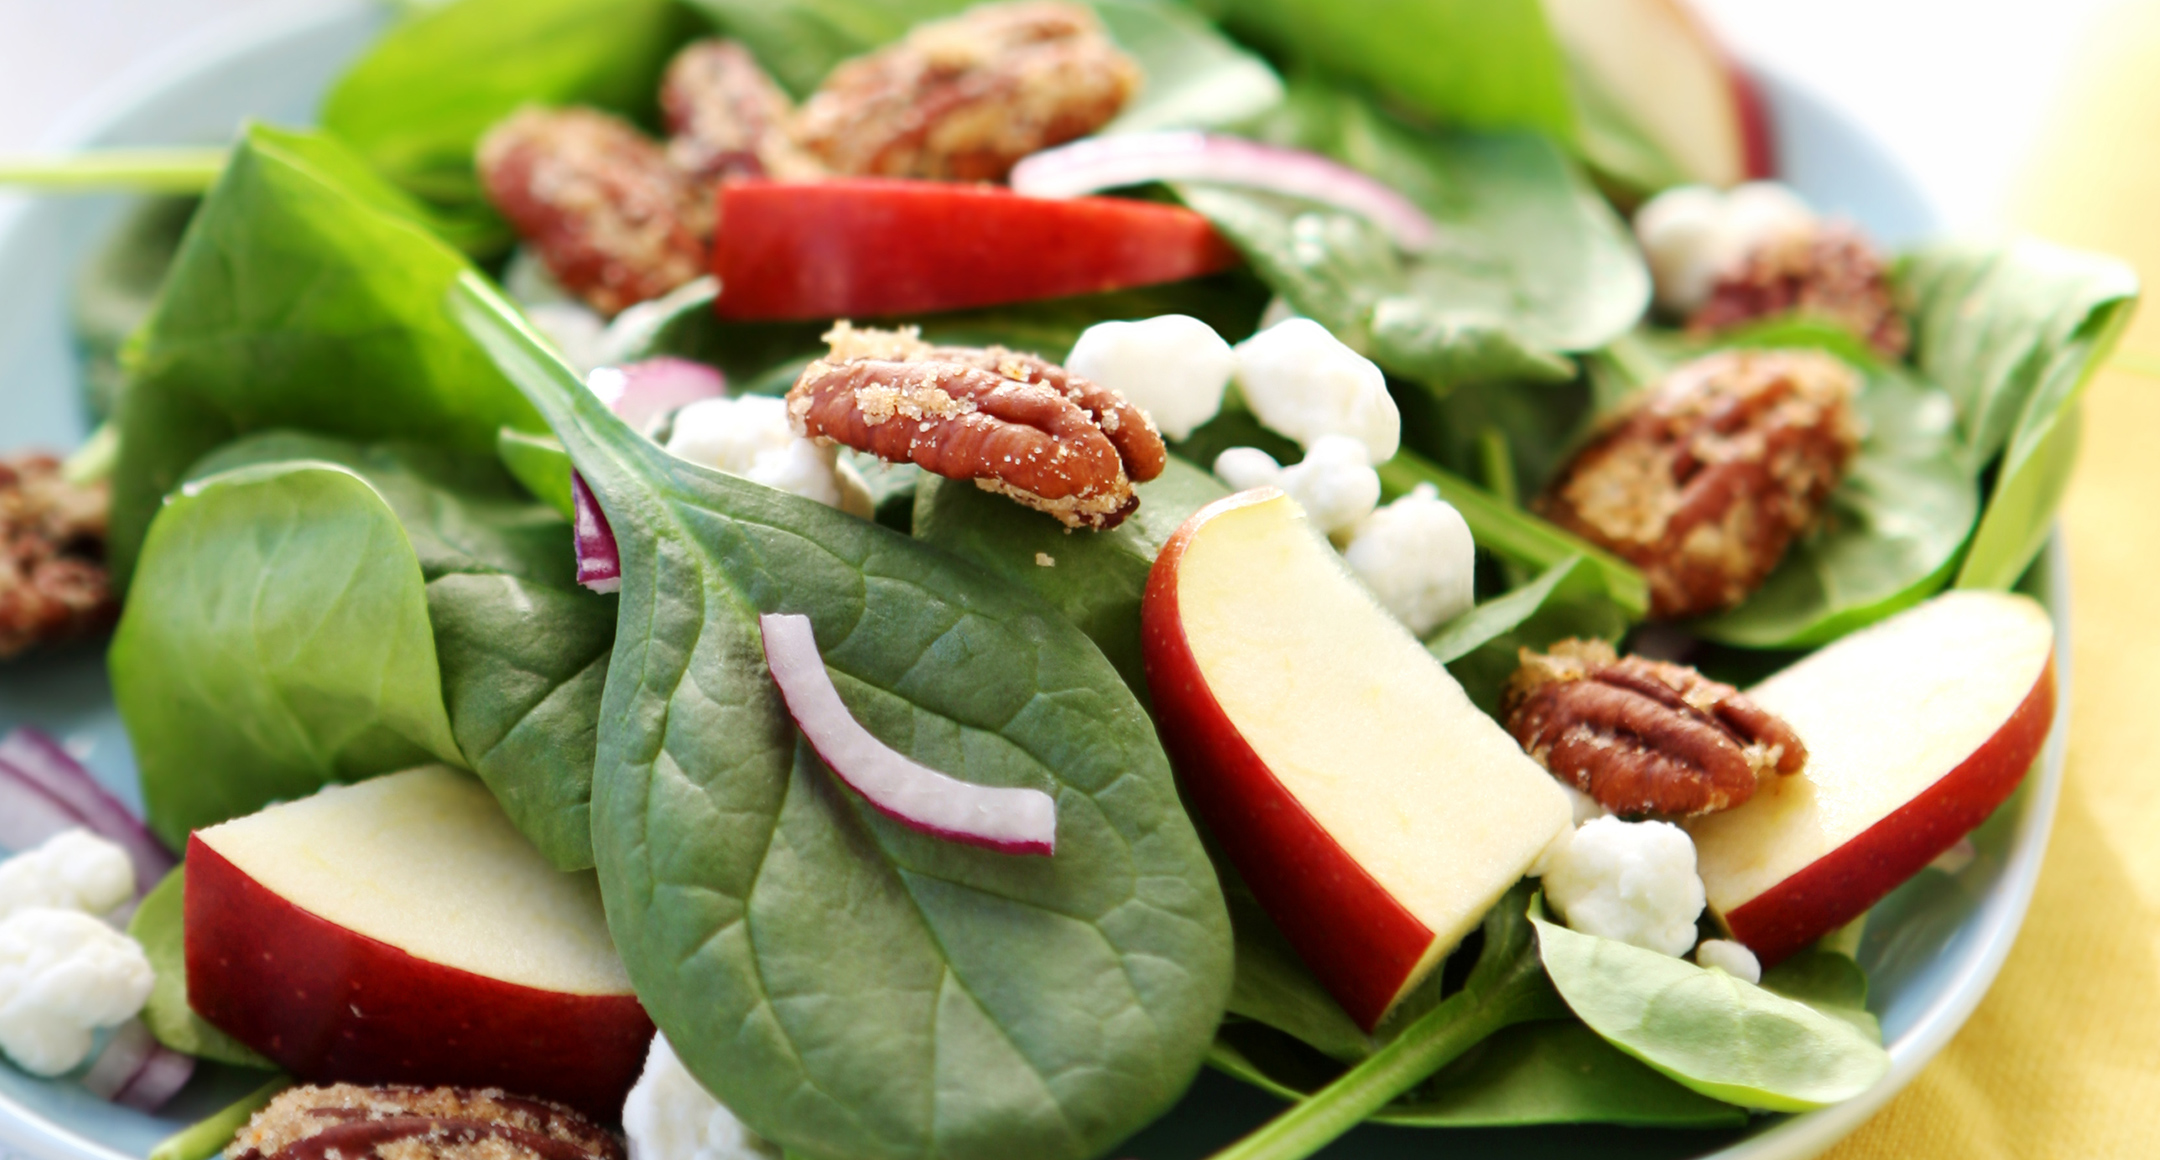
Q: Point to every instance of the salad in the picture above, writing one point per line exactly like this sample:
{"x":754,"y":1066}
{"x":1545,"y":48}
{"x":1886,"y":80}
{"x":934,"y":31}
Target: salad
{"x":889,"y":580}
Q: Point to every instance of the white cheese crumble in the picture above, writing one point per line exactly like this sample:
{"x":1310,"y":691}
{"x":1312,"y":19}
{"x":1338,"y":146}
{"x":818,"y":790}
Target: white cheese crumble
{"x":1416,"y":556}
{"x":669,"y":1116}
{"x":751,"y":436}
{"x":1302,"y":381}
{"x":72,"y":870}
{"x":1335,"y":482}
{"x":1173,"y":366}
{"x":1692,"y":234}
{"x":63,"y":975}
{"x":1730,"y":957}
{"x":1630,"y":881}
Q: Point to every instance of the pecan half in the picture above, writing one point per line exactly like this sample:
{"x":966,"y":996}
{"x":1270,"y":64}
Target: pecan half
{"x":1012,"y":422}
{"x":614,"y":221}
{"x":727,"y":118}
{"x":1704,"y":480}
{"x":52,"y":555}
{"x":964,"y":98}
{"x":1644,"y":736}
{"x":1828,"y":272}
{"x":350,"y":1122}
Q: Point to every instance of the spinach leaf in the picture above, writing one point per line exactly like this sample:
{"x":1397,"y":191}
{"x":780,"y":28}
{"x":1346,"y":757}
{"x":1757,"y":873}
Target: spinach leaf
{"x":1531,"y":261}
{"x":853,"y":987}
{"x":306,"y":295}
{"x":158,"y":927}
{"x":1096,"y":580}
{"x":1890,"y":536}
{"x":1480,"y":646}
{"x":523,"y":649}
{"x":1489,"y":64}
{"x":280,"y":639}
{"x":1721,"y":1036}
{"x":1829,"y":981}
{"x":1513,"y":534}
{"x":2014,"y":332}
{"x":540,"y":465}
{"x":1555,"y":1071}
{"x":417,"y":103}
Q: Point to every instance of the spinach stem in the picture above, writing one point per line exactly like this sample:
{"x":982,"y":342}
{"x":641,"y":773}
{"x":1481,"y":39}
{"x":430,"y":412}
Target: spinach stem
{"x":180,"y":170}
{"x":207,"y":1137}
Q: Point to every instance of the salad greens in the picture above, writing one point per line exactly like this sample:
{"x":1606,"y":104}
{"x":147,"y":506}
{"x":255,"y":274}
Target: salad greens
{"x":1481,"y":646}
{"x":751,"y":897}
{"x":156,"y":925}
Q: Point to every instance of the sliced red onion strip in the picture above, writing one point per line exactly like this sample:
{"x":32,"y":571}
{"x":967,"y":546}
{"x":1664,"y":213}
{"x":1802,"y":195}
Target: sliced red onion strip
{"x":158,"y":1080}
{"x":38,"y":760}
{"x":137,"y":1071}
{"x":29,"y":815}
{"x":599,"y":563}
{"x":643,"y":393}
{"x":1099,"y":163}
{"x":1013,"y":821}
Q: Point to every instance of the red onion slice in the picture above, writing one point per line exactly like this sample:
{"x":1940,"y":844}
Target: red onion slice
{"x":1098,"y":163}
{"x":137,"y":1071}
{"x":1012,"y":821}
{"x":599,"y":563}
{"x":39,"y":762}
{"x":643,"y":393}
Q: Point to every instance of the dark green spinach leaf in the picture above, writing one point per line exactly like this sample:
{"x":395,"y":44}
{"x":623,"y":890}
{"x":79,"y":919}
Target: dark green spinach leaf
{"x":307,"y":295}
{"x":855,"y":988}
{"x":158,"y":926}
{"x":1829,"y":981}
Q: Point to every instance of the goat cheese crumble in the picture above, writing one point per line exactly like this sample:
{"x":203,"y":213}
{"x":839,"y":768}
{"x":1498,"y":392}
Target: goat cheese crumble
{"x":63,"y":975}
{"x":72,"y":870}
{"x":670,"y":1116}
{"x":1634,"y":882}
{"x":1301,"y":380}
{"x":1691,"y":234}
{"x":1416,"y":556}
{"x":751,"y":436}
{"x":1174,"y":367}
{"x":1335,"y":482}
{"x":1730,"y":957}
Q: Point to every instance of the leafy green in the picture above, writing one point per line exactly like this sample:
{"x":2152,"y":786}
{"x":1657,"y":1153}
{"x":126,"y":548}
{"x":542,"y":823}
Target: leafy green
{"x":1094,"y":580}
{"x":416,"y":104}
{"x":1530,"y":262}
{"x":1480,"y":646}
{"x":306,"y":295}
{"x":853,"y":987}
{"x":2014,"y":332}
{"x":158,"y":927}
{"x":1273,"y":985}
{"x":1513,"y":534}
{"x":1489,"y":64}
{"x":540,"y":465}
{"x":1829,"y":981}
{"x":1554,"y":1071}
{"x":1721,"y":1036}
{"x":115,"y":290}
{"x":280,"y":641}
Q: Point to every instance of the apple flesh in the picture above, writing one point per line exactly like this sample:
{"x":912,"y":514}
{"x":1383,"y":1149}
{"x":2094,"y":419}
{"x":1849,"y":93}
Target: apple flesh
{"x":1672,"y":83}
{"x":868,"y":247}
{"x":1376,"y":813}
{"x":1916,"y":729}
{"x":401,"y":931}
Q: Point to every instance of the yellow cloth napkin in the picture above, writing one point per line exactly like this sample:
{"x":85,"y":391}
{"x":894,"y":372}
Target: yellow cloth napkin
{"x":2063,"y":1057}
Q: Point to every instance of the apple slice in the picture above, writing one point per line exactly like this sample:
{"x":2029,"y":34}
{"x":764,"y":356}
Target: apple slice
{"x":400,"y":930}
{"x":1916,"y":729}
{"x":1376,"y":813}
{"x":868,"y":247}
{"x":1663,"y":75}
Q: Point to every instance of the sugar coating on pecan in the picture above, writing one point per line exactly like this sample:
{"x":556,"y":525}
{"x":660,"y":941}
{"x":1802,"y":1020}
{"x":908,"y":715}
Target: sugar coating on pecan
{"x":53,"y":583}
{"x":726,"y":117}
{"x":1644,"y":737}
{"x":351,"y":1122}
{"x":1827,"y":272}
{"x":1704,"y":481}
{"x":964,"y":98}
{"x":1014,"y":423}
{"x":609,"y":215}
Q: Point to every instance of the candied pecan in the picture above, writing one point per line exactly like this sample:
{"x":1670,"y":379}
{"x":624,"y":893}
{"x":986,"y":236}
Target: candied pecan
{"x":1828,"y":272}
{"x":350,"y":1122}
{"x":52,"y":555}
{"x":964,"y":98}
{"x":1644,"y":736}
{"x":1704,"y":480}
{"x":613,"y":220}
{"x":727,"y":118}
{"x":1012,"y":422}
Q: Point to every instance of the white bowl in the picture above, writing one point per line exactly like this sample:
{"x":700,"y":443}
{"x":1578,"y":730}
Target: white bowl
{"x":1932,"y":949}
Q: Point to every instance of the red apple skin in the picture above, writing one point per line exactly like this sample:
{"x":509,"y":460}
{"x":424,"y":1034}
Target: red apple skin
{"x":1357,"y":939}
{"x":331,"y":1004}
{"x":1841,"y":885}
{"x":1758,"y":139}
{"x":870,"y":247}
